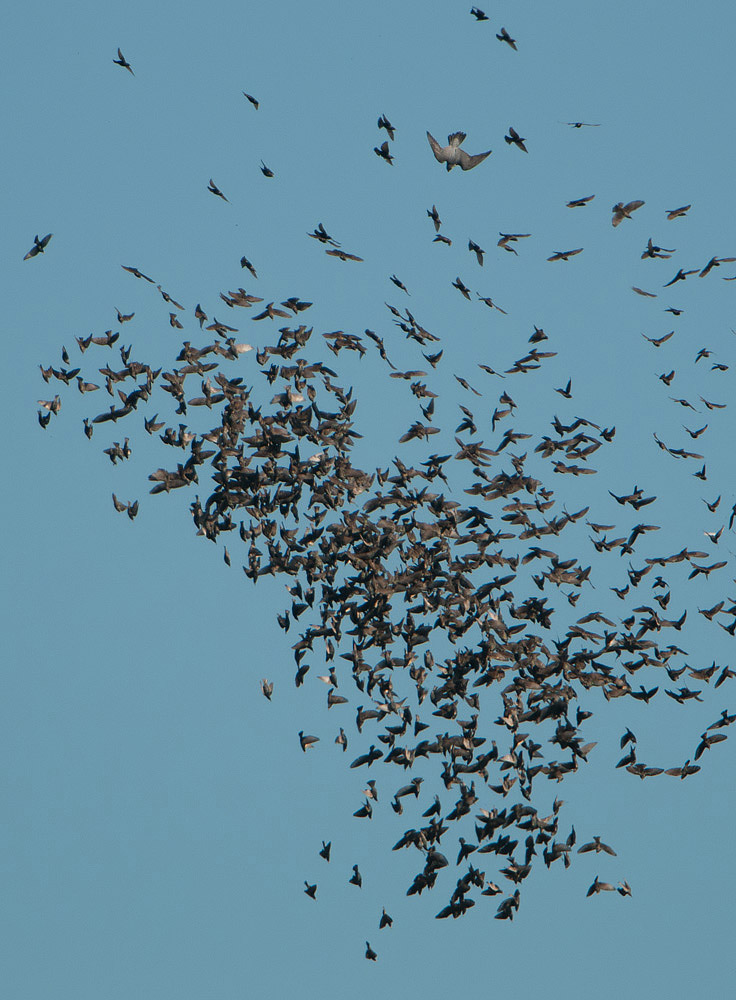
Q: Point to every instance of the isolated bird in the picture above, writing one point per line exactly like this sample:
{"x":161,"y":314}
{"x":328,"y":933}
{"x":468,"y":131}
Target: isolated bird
{"x":121,"y":61}
{"x":252,"y":100}
{"x":39,"y":245}
{"x":215,"y":190}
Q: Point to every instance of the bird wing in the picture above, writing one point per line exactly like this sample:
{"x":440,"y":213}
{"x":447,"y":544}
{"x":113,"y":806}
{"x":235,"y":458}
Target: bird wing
{"x":467,"y":162}
{"x":439,"y":153}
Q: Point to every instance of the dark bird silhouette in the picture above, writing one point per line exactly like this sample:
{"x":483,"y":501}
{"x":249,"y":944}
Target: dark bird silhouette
{"x":504,"y":36}
{"x":383,"y":122}
{"x":677,"y":213}
{"x":514,"y":138}
{"x":121,"y":61}
{"x":383,"y":152}
{"x":252,"y":100}
{"x":39,"y":245}
{"x":213,"y":188}
{"x":478,"y":14}
{"x":580,"y":202}
{"x":266,"y":171}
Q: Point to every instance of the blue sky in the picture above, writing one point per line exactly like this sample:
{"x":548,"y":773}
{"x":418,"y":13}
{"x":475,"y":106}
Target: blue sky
{"x":158,"y":818}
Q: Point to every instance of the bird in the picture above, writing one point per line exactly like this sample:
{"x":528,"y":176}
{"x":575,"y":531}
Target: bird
{"x":516,"y":139}
{"x":311,"y":890}
{"x":215,"y":190}
{"x":677,"y":213}
{"x":370,"y":953}
{"x":356,"y":878}
{"x":266,"y":171}
{"x":252,"y":100}
{"x":121,"y":61}
{"x":245,"y":263}
{"x":478,"y":14}
{"x":621,"y":211}
{"x":596,"y":845}
{"x":564,"y":254}
{"x":267,"y":688}
{"x":307,"y":741}
{"x":583,"y":124}
{"x":504,"y":36}
{"x":39,"y":245}
{"x":325,"y":850}
{"x":434,"y":216}
{"x":383,"y":122}
{"x":580,"y":202}
{"x":385,"y":921}
{"x":383,"y":152}
{"x":452,"y":155}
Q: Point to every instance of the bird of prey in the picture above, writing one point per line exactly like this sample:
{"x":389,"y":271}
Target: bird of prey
{"x":252,"y":100}
{"x":621,"y":211}
{"x":580,"y":202}
{"x":504,"y":36}
{"x":515,"y":138}
{"x":383,"y":122}
{"x":215,"y":190}
{"x":38,"y":246}
{"x":564,"y":254}
{"x":266,"y":171}
{"x":383,"y":152}
{"x":121,"y":61}
{"x":452,"y":154}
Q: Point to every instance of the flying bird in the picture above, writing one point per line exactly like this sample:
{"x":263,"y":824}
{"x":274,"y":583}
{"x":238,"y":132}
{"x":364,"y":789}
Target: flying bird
{"x":252,"y":100}
{"x":213,"y":188}
{"x":383,"y":152}
{"x":580,"y":202}
{"x":452,"y":155}
{"x":383,"y":122}
{"x":621,"y":211}
{"x":504,"y":36}
{"x":38,"y":246}
{"x":516,"y":139}
{"x":121,"y":61}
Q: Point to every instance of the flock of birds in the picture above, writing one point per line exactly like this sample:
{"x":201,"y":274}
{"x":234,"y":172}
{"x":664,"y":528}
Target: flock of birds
{"x":437,"y":589}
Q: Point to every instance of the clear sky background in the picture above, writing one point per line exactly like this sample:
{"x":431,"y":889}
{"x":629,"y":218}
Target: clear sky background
{"x":157,"y":817}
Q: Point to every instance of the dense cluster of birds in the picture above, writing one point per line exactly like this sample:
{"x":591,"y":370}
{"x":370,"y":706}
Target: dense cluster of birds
{"x":440,"y":593}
